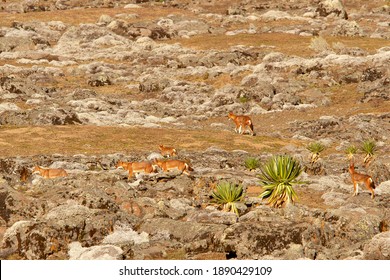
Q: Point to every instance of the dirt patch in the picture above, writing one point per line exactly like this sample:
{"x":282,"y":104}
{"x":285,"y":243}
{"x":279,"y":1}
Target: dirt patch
{"x":307,"y":197}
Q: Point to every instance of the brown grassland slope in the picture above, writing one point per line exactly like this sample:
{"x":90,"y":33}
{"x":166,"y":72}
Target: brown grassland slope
{"x":84,"y":84}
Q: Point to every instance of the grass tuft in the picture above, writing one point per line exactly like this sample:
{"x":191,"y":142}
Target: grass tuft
{"x":252,"y":163}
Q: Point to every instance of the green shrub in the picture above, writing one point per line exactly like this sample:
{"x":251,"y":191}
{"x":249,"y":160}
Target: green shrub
{"x":243,"y":99}
{"x":252,"y":163}
{"x":369,"y":147}
{"x":316,"y":147}
{"x":228,"y":194}
{"x":278,"y":177}
{"x":351,"y":151}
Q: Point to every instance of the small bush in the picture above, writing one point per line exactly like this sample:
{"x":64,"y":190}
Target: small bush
{"x":319,"y":44}
{"x":243,"y":99}
{"x":228,"y":194}
{"x":340,"y":48}
{"x":369,"y":147}
{"x":316,"y":147}
{"x":252,"y":163}
{"x":351,"y":151}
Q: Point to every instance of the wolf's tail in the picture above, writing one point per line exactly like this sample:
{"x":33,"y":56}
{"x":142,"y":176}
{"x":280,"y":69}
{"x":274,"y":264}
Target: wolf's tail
{"x":372,"y":184}
{"x":189,"y":168}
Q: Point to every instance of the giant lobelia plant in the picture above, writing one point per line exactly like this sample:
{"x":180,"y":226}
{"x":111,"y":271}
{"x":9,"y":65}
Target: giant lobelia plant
{"x":228,"y":194}
{"x":278,"y":178}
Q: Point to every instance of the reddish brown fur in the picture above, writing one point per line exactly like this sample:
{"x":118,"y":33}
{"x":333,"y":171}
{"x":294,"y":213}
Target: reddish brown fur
{"x":24,"y":174}
{"x":167,"y":165}
{"x":49,"y":173}
{"x":242,"y":122}
{"x":361,"y":178}
{"x":167,"y":151}
{"x":136,"y":167}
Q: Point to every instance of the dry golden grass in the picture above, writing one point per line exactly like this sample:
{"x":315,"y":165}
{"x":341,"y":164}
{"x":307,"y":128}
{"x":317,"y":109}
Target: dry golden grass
{"x":23,"y":105}
{"x":225,"y":79}
{"x":217,"y":82}
{"x":91,"y":15}
{"x":358,"y":5}
{"x":221,"y":6}
{"x":287,"y":43}
{"x":68,"y":140}
{"x":98,"y":140}
{"x":370,"y":45}
{"x":15,"y":63}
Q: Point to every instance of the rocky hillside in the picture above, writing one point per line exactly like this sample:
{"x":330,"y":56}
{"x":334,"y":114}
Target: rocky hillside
{"x":84,"y":84}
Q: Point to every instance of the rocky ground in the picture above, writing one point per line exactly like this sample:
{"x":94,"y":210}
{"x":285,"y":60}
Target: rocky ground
{"x":84,"y":84}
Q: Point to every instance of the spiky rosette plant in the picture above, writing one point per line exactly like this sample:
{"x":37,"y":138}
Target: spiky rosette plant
{"x":351,"y":151}
{"x":315,"y":148}
{"x":278,"y":178}
{"x":252,"y":163}
{"x":369,"y":147}
{"x":228,"y":194}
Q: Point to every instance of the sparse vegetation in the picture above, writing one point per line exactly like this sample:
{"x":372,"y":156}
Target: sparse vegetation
{"x":351,"y":151}
{"x":228,"y":194}
{"x":278,"y":178}
{"x":88,"y":83}
{"x":252,"y":163}
{"x":369,"y":148}
{"x":243,"y":99}
{"x":319,"y":44}
{"x":339,"y":47}
{"x":98,"y":140}
{"x":298,"y":45}
{"x":315,"y":148}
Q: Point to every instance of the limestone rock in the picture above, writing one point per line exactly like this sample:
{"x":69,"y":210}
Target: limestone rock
{"x":332,"y":7}
{"x":378,"y":248}
{"x":103,"y":252}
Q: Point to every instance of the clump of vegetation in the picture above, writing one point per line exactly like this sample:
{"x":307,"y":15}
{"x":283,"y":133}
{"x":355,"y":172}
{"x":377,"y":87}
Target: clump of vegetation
{"x":278,"y":178}
{"x":319,"y":44}
{"x":252,"y":163}
{"x":351,"y":151}
{"x":369,"y":147}
{"x":228,"y":194}
{"x":315,"y":148}
{"x":243,"y":99}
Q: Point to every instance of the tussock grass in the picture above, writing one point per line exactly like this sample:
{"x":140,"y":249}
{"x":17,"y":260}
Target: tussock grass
{"x":252,"y":163}
{"x":319,"y":44}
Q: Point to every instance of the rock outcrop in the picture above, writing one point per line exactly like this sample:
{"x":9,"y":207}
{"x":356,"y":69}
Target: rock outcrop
{"x":304,"y":70}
